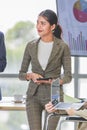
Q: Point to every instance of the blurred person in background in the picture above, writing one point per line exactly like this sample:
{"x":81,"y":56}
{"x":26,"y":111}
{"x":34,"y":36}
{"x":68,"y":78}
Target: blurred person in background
{"x":71,"y":112}
{"x":2,"y":56}
{"x":2,"y":52}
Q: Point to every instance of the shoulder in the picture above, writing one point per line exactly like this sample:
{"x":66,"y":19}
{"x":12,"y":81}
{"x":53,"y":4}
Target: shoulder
{"x":63,"y":46}
{"x":1,"y":39}
{"x":1,"y":33}
{"x":61,"y":42}
{"x":33,"y":43}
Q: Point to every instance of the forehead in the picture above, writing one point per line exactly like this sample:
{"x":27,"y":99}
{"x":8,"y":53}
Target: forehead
{"x":42,"y":19}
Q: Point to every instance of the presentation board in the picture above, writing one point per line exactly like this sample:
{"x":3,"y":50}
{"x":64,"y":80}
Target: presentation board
{"x":72,"y":16}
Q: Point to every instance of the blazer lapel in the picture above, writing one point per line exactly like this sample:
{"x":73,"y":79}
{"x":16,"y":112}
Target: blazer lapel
{"x":55,"y":49}
{"x":35,"y":50}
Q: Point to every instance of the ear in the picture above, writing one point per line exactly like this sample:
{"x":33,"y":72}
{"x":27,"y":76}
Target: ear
{"x":53,"y":27}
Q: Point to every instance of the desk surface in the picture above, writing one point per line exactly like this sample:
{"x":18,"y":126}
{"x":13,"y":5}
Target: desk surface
{"x":7,"y":103}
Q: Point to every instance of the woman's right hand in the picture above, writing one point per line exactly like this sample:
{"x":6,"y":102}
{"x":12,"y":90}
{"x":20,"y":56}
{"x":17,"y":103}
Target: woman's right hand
{"x":33,"y":76}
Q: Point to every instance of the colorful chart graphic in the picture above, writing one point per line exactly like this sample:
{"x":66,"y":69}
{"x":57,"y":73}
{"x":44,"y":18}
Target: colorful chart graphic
{"x":80,"y":10}
{"x":78,"y":45}
{"x":72,"y":16}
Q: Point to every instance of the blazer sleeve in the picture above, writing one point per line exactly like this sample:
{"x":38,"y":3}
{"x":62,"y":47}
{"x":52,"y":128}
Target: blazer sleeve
{"x":66,"y":61}
{"x":25,"y":63}
{"x":82,"y":113}
{"x":3,"y":61}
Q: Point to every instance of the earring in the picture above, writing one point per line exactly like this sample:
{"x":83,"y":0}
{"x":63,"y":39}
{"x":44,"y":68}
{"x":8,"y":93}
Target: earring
{"x":53,"y":31}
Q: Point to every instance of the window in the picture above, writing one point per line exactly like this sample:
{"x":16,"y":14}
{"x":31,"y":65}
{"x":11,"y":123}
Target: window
{"x":18,"y":24}
{"x":18,"y":15}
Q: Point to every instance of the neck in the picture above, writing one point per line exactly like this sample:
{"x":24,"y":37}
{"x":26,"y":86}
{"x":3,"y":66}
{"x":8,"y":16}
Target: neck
{"x":47,"y":38}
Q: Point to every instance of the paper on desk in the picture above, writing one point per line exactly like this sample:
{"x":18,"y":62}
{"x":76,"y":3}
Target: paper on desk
{"x":68,"y":98}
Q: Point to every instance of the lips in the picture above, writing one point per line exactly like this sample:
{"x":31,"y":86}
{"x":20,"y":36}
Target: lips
{"x":39,"y":31}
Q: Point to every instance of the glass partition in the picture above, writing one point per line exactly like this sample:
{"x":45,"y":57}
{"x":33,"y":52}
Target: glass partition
{"x":82,"y":65}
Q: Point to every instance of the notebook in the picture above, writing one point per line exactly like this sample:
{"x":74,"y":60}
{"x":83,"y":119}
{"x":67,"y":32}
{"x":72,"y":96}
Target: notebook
{"x":65,"y":105}
{"x":55,"y":98}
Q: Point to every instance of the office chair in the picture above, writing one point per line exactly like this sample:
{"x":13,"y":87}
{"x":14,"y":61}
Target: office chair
{"x":66,"y":118}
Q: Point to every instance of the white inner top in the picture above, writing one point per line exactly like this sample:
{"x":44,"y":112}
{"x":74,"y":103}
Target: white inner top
{"x":44,"y":51}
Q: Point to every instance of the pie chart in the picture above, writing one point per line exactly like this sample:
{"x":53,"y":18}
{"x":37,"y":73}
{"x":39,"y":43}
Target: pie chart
{"x":80,"y":10}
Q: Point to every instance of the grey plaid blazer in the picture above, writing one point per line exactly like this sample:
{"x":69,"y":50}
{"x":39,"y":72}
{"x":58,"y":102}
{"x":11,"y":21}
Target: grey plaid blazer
{"x":60,"y":56}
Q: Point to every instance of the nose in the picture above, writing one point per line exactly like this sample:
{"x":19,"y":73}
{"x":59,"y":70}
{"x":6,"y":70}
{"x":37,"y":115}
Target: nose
{"x":38,"y":25}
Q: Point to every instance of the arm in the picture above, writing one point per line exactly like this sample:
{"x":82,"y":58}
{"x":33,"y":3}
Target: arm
{"x":72,"y":112}
{"x":66,"y":61}
{"x":2,"y":53}
{"x":23,"y":73}
{"x":81,"y":113}
{"x":25,"y":64}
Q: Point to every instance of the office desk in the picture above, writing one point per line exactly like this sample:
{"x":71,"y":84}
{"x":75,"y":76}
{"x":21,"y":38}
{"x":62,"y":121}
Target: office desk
{"x":8,"y":104}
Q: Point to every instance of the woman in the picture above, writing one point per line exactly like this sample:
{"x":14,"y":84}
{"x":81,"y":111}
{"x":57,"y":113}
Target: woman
{"x":72,"y":112}
{"x":47,"y":55}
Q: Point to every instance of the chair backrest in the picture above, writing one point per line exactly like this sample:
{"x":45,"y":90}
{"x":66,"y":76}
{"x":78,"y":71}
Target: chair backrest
{"x":65,"y":119}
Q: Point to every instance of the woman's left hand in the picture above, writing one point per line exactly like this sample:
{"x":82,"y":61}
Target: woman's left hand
{"x":44,"y":81}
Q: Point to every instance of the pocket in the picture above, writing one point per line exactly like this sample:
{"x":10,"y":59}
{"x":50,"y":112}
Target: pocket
{"x":32,"y":88}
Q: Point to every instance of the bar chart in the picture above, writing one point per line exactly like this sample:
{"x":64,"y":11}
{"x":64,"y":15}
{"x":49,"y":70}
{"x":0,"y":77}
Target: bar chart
{"x":77,"y":45}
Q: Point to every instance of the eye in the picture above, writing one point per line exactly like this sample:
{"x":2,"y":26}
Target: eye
{"x":43,"y":23}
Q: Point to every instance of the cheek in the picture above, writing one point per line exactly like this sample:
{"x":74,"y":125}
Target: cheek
{"x":48,"y":31}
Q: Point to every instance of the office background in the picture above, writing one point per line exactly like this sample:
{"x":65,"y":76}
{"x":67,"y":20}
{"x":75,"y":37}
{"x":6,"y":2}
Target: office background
{"x":17,"y":16}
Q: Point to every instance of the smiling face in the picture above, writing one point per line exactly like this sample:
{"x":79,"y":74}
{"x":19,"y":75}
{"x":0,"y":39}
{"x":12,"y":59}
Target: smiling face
{"x":44,"y":28}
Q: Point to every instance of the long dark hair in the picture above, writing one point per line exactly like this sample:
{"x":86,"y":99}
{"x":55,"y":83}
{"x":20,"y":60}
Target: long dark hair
{"x":51,"y":17}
